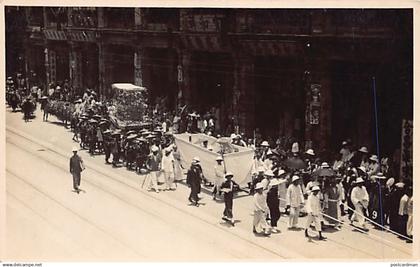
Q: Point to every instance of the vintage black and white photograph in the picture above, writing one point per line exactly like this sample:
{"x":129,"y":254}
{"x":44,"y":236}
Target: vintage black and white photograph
{"x":201,"y":134}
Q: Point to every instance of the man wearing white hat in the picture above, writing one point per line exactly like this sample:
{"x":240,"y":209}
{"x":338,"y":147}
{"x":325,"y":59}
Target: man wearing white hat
{"x":294,"y":200}
{"x":194,"y":177}
{"x":313,"y":207}
{"x":273,"y":203}
{"x":219,"y":172}
{"x":227,"y":188}
{"x":360,"y":199}
{"x":76,"y":168}
{"x":154,"y":165}
{"x":260,"y":225}
{"x":168,"y":169}
{"x":265,"y":149}
{"x":374,"y":166}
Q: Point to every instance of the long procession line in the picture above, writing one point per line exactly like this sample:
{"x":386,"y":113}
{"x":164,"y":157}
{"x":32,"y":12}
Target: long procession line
{"x":145,"y":194}
{"x":56,"y":152}
{"x":369,"y":234}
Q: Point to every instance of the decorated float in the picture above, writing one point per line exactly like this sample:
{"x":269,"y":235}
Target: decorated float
{"x":130,"y":103}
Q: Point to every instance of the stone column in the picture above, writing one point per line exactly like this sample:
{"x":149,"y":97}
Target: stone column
{"x":101,"y":70}
{"x":139,"y":18}
{"x":319,"y":135}
{"x":243,"y":104}
{"x":101,"y":17}
{"x":184,"y":78}
{"x":76,"y":72}
{"x":50,"y":65}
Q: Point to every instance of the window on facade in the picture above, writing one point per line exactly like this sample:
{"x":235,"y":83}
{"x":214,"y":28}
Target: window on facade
{"x":121,"y":18}
{"x":84,"y":17}
{"x":280,"y":20}
{"x":36,"y":16}
{"x":56,"y":17}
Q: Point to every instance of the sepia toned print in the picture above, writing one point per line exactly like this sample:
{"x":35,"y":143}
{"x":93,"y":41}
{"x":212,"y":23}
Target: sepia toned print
{"x":208,"y":134}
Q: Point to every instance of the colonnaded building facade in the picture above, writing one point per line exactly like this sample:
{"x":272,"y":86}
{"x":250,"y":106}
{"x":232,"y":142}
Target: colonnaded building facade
{"x":302,"y":73}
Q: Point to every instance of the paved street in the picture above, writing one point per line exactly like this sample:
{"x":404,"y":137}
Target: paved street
{"x":116,"y":219}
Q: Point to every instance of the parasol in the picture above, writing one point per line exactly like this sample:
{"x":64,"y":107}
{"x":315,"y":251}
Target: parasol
{"x":295,"y":163}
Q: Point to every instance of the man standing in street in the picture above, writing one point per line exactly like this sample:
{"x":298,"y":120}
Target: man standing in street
{"x":294,"y":200}
{"x":228,"y":187}
{"x":76,"y":168}
{"x":194,"y":176}
{"x":313,"y":207}
{"x":154,"y":165}
{"x":219,"y":172}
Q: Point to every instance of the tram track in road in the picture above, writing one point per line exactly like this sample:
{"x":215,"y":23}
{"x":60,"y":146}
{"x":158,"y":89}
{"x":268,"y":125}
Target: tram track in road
{"x":171,"y":205}
{"x":48,"y":222}
{"x":101,"y":187}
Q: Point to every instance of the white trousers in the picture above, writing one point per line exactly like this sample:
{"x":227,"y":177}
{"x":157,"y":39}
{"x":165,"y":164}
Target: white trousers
{"x":410,"y":225}
{"x":294,"y":216}
{"x":358,"y":216}
{"x":316,"y":220}
{"x":151,"y":181}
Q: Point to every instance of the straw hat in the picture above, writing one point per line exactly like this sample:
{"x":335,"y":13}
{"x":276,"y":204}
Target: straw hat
{"x":74,"y":149}
{"x":281,"y":172}
{"x":310,"y":152}
{"x":315,"y":188}
{"x":196,"y":159}
{"x":374,"y":158}
{"x":265,"y":143}
{"x":363,"y":149}
{"x":325,"y":165}
{"x":155,"y":149}
{"x":295,"y":178}
{"x":219,"y":158}
{"x":259,"y":186}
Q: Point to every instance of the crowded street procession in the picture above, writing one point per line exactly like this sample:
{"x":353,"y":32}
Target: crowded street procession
{"x":283,"y":180}
{"x":157,"y":139}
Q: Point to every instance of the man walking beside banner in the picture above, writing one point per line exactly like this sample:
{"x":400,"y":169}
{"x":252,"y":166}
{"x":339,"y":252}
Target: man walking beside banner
{"x":360,"y":199}
{"x":194,"y":177}
{"x":228,"y":187}
{"x":219,"y":170}
{"x":76,"y":168}
{"x":294,"y":200}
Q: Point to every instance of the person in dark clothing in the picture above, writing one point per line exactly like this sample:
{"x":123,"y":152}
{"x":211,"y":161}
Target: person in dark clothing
{"x":395,"y":197}
{"x":107,"y":145}
{"x":228,"y":187}
{"x":76,"y":167}
{"x":273,"y":203}
{"x":194,"y":176}
{"x":26,"y":108}
{"x":115,"y":149}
